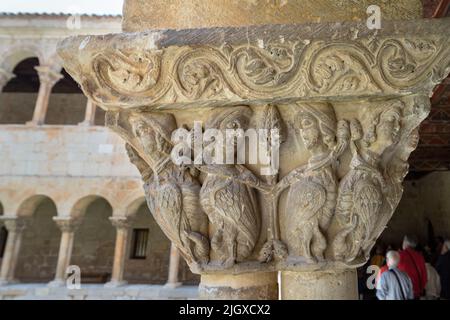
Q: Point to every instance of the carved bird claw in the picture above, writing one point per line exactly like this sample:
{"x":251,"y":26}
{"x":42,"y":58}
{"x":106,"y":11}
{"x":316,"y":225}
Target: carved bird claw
{"x":273,"y":249}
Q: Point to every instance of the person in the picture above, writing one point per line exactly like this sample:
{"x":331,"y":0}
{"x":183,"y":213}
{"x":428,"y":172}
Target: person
{"x":443,"y":268}
{"x":433,"y":287}
{"x":437,"y":250}
{"x":413,"y":264}
{"x":378,"y":257}
{"x":394,"y":284}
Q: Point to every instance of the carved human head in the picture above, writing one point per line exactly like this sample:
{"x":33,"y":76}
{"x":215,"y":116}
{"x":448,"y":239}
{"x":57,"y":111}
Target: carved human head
{"x":382,"y":125}
{"x":317,"y":123}
{"x":153,"y":131}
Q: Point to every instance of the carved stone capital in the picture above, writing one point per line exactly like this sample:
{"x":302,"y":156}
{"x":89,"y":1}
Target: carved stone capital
{"x":48,"y":76}
{"x":67,"y":224}
{"x":345,"y":102}
{"x":121,"y":222}
{"x":15,"y":224}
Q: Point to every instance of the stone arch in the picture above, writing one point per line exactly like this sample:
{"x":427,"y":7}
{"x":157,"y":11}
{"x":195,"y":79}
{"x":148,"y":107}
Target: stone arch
{"x":40,"y":241}
{"x":19,"y":94}
{"x":79,"y":208}
{"x":28,"y":206}
{"x":133,"y":206}
{"x":16,"y":54}
{"x":93,"y":250}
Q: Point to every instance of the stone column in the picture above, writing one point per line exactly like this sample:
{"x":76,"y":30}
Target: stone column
{"x":174,"y":266}
{"x":48,"y":78}
{"x":68,"y":227}
{"x":123,"y":226}
{"x":15,"y":227}
{"x":347,"y":104}
{"x":5,"y":76}
{"x":89,"y":117}
{"x":248,"y":286}
{"x":319,"y":285}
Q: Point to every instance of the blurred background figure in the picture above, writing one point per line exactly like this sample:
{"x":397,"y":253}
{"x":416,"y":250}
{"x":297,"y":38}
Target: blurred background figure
{"x":412,"y":263}
{"x":394,"y":284}
{"x":443,"y":268}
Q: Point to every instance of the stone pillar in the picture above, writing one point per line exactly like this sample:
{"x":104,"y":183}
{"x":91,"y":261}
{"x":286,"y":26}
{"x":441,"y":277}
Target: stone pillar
{"x":347,"y":104}
{"x":68,"y":227}
{"x":123,"y":226}
{"x":15,"y":227}
{"x":48,"y":78}
{"x":248,"y":286}
{"x":174,"y":266}
{"x":319,"y":285}
{"x":5,"y":76}
{"x":89,"y":117}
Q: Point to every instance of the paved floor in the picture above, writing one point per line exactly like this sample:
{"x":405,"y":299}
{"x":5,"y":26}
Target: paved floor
{"x":97,"y":292}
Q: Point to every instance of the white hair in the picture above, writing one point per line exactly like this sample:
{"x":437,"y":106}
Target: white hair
{"x":392,"y":259}
{"x":447,"y":244}
{"x":409,"y":242}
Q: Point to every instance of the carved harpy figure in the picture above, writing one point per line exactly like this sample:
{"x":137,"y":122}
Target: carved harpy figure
{"x":172,"y":192}
{"x":229,"y":204}
{"x":312,"y":196}
{"x":362,"y":209}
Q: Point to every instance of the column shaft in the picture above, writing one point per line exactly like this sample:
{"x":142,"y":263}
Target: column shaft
{"x":249,"y":286}
{"x":319,"y":285}
{"x":89,"y":117}
{"x":15,"y":229}
{"x":123,"y":226}
{"x":174,"y":266}
{"x":65,"y":253}
{"x":68,"y":228}
{"x":48,"y":79}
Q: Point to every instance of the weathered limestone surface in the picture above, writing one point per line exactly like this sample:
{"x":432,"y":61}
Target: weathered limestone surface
{"x":328,"y":285}
{"x":142,"y":15}
{"x":346,"y":101}
{"x":251,"y":286}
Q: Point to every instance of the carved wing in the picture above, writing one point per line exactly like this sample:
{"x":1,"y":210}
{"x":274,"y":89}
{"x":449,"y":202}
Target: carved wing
{"x":235,"y":204}
{"x":367,"y":202}
{"x":305,"y":200}
{"x":169,"y":207}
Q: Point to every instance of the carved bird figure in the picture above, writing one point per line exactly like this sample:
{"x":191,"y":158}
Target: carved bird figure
{"x":230,"y":205}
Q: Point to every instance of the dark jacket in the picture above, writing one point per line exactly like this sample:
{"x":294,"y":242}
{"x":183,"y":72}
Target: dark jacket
{"x":443,"y":268}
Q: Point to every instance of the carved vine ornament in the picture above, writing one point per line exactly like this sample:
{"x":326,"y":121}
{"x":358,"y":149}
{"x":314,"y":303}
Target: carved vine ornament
{"x":348,"y":111}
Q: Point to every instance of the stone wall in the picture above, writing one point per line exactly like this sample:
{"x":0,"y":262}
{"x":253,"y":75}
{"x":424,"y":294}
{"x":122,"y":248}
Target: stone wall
{"x":63,"y":151}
